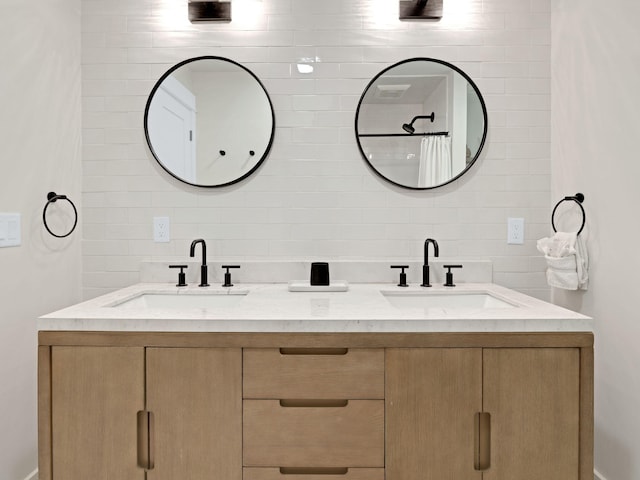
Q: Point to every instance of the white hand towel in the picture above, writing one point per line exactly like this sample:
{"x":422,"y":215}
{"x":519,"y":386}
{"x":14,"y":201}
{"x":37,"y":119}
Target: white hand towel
{"x":562,"y":272}
{"x":582,"y":261}
{"x":567,"y":260}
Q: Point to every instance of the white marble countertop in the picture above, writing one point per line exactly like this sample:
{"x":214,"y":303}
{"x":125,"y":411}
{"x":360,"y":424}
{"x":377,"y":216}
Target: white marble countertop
{"x":272,"y":308}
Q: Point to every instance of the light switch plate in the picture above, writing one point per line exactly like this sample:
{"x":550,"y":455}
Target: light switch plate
{"x":10,"y":231}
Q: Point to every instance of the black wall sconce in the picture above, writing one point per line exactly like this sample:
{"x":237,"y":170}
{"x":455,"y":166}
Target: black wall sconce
{"x":420,"y":9}
{"x":213,"y":11}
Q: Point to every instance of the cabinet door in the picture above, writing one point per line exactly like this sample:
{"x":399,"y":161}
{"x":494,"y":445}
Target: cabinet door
{"x":195,"y":398}
{"x":532,"y":396}
{"x":96,"y":393}
{"x":432,"y":396}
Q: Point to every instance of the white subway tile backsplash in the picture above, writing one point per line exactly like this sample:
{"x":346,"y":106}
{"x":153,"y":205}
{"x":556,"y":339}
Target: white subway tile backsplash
{"x":122,"y":135}
{"x":315,"y":135}
{"x":98,"y":55}
{"x":126,"y":263}
{"x":315,"y":102}
{"x":314,"y":197}
{"x":127,"y":199}
{"x":110,"y":280}
{"x":101,"y":88}
{"x":340,"y":54}
{"x":127,"y":39}
{"x":105,"y":247}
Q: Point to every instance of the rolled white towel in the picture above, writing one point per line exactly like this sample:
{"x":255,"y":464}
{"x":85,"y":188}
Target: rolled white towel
{"x":566,"y":279}
{"x":561,"y":244}
{"x":564,"y":263}
{"x":567,"y":260}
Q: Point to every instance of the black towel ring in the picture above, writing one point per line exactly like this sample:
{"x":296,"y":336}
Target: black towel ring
{"x":52,"y":197}
{"x":578,"y":198}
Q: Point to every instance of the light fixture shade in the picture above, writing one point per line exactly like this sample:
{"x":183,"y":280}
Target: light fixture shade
{"x":420,"y":9}
{"x":212,"y":11}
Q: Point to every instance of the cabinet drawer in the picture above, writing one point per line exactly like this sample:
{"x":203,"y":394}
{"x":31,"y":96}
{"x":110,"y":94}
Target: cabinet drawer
{"x":319,"y":434}
{"x":273,"y":373}
{"x":258,"y":473}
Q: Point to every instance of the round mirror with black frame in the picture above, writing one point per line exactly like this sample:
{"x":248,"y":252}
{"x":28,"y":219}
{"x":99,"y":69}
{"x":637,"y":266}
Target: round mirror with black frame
{"x":421,"y":123}
{"x":209,"y":122}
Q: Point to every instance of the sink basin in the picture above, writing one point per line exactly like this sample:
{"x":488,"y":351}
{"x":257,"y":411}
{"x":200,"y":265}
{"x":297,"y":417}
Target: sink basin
{"x":445,"y":300}
{"x":221,"y":299}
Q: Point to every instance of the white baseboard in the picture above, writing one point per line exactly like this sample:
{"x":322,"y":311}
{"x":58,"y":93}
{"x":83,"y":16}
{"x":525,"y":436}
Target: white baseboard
{"x":33,"y":475}
{"x":598,"y":476}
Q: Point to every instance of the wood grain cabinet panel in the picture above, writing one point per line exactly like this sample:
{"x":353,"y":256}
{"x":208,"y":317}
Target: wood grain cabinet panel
{"x":432,"y":396}
{"x":530,"y":399}
{"x":272,"y":373}
{"x":349,"y":435}
{"x":533,"y":398}
{"x":96,"y":393}
{"x":195,"y":397}
{"x":192,"y":398}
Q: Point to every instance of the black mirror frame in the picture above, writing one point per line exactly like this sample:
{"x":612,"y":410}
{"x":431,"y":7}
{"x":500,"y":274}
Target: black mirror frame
{"x":466,"y":77}
{"x":169,"y":72}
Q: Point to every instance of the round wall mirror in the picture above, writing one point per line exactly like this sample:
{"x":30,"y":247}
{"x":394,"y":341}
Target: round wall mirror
{"x":421,"y":123}
{"x":209,"y":122}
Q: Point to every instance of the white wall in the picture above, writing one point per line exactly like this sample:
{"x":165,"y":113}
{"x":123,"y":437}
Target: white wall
{"x":595,"y":125}
{"x":314,"y":197}
{"x":39,"y":152}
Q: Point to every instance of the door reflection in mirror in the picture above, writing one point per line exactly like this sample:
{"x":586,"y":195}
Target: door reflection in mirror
{"x":209,"y":122}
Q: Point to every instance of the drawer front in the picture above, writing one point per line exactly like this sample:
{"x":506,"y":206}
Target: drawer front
{"x":272,"y":373}
{"x":261,"y":473}
{"x":313,"y":434}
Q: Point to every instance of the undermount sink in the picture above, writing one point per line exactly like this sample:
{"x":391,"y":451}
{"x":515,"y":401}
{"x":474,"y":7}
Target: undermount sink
{"x":444,"y":300}
{"x":184,"y":300}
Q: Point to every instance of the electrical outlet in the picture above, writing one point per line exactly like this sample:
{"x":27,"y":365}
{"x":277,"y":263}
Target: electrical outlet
{"x":515,"y":231}
{"x":161,"y":231}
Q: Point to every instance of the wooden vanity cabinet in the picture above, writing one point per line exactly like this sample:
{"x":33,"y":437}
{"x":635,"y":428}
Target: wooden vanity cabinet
{"x":302,"y":406}
{"x":195,"y":398}
{"x":96,"y":393}
{"x":483,"y":413}
{"x":135,"y":413}
{"x":432,"y":396}
{"x":314,"y":410}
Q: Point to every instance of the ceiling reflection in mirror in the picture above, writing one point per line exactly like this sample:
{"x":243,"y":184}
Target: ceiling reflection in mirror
{"x":421,"y":123}
{"x":209,"y":122}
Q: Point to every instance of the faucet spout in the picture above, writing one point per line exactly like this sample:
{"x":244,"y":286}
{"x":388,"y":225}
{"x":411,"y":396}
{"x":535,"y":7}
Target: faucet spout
{"x":203,"y":266}
{"x":425,"y":266}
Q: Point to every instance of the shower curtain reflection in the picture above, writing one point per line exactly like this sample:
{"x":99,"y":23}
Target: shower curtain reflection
{"x":435,"y":161}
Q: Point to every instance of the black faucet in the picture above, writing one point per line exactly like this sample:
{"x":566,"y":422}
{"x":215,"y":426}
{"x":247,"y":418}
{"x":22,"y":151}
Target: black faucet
{"x":203,"y":268}
{"x":425,"y":266}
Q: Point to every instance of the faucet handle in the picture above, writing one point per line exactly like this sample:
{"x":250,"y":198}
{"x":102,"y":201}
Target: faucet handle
{"x":403,"y":276}
{"x":227,"y":275}
{"x":181,"y":276}
{"x":449,"y":282}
